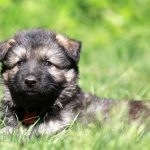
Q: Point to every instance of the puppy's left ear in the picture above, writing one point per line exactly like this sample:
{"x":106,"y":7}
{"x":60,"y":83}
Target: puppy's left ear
{"x":4,"y":48}
{"x":72,"y":47}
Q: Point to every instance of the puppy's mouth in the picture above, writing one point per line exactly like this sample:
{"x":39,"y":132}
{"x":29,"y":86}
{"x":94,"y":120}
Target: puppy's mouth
{"x":31,"y":92}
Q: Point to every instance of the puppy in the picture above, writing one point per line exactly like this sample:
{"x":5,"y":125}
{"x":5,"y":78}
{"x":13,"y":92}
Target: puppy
{"x":39,"y":75}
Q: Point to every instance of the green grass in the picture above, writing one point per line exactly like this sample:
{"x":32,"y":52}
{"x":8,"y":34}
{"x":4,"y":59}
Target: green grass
{"x":114,"y":63}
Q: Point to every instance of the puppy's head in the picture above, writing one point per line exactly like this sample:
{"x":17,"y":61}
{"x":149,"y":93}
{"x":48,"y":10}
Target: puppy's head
{"x":38,"y":64}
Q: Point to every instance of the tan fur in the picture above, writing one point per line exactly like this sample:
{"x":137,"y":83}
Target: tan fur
{"x":13,"y":71}
{"x":70,"y":75}
{"x":14,"y":56}
{"x":56,"y":73}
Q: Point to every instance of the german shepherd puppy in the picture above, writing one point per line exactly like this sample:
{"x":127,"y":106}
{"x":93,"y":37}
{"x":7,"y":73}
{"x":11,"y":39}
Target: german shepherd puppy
{"x":39,"y":75}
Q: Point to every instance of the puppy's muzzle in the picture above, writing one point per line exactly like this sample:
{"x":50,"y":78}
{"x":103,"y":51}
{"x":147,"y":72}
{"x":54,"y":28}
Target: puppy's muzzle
{"x":30,"y":81}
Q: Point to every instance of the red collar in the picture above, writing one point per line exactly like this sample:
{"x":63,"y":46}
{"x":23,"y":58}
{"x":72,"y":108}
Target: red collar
{"x":29,"y":118}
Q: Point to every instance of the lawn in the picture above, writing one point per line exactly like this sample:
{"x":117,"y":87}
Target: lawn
{"x":114,"y":63}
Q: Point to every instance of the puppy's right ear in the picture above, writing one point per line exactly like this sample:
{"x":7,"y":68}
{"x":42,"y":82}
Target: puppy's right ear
{"x":4,"y":48}
{"x":71,"y":46}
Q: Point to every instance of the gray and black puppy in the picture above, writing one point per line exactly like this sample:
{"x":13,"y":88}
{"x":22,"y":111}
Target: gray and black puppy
{"x":40,"y":74}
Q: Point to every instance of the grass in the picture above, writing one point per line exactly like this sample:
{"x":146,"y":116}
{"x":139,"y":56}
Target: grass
{"x":114,"y":64}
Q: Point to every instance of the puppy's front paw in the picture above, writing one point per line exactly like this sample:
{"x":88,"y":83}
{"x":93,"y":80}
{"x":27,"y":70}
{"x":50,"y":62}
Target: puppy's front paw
{"x":6,"y":130}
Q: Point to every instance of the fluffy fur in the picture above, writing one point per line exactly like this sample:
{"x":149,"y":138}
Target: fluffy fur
{"x":40,"y":74}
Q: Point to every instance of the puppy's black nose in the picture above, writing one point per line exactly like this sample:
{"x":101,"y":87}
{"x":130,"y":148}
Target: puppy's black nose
{"x":30,"y":81}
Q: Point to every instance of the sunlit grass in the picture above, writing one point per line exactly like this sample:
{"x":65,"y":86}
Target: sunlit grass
{"x":114,"y":64}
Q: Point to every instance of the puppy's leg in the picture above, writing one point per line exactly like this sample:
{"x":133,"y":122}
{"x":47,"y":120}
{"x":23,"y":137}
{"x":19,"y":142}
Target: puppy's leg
{"x":49,"y":128}
{"x":8,"y":117}
{"x":139,"y":109}
{"x":54,"y":125}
